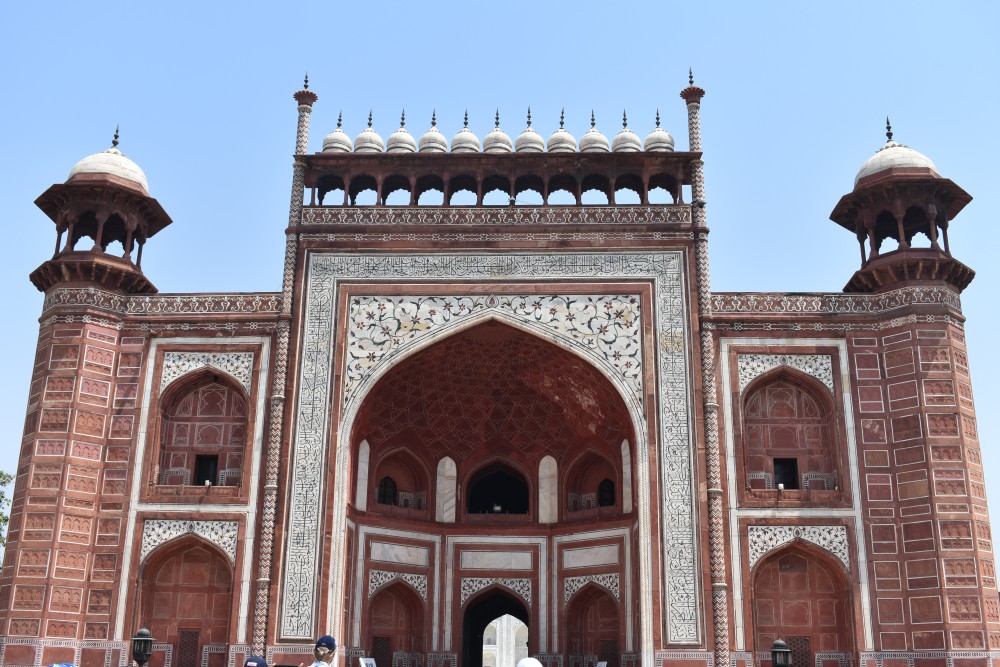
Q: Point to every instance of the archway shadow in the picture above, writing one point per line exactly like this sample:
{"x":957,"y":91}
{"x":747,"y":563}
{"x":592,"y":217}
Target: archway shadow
{"x":479,"y":613}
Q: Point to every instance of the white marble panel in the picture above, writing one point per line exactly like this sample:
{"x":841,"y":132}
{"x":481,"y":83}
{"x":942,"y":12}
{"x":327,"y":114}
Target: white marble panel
{"x":548,"y":498}
{"x":590,"y":556}
{"x":496,"y":560}
{"x":447,"y":475}
{"x":386,"y":552}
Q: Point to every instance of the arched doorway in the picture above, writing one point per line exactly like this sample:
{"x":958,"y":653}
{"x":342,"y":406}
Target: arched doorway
{"x":480,"y":612}
{"x":395,"y":623}
{"x":186,"y":599}
{"x":805,"y":598}
{"x":592,"y":627}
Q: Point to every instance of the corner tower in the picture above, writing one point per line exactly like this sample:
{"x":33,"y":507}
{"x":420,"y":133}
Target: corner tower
{"x":897,"y":195}
{"x":105,"y":199}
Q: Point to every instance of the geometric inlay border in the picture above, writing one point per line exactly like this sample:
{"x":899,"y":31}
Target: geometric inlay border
{"x":764,"y":539}
{"x":679,"y":565}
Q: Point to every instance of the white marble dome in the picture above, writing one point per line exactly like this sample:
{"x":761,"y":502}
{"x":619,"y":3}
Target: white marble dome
{"x":369,"y":141}
{"x":401,"y":141}
{"x":892,"y":156}
{"x":113,"y":163}
{"x":497,"y":141}
{"x":529,"y":141}
{"x":465,"y":141}
{"x":432,"y":140}
{"x":338,"y":141}
{"x":626,"y":141}
{"x":562,"y":141}
{"x":593,"y":141}
{"x":659,"y":140}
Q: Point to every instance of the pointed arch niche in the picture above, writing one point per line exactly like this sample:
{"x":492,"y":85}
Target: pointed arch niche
{"x":790,"y":447}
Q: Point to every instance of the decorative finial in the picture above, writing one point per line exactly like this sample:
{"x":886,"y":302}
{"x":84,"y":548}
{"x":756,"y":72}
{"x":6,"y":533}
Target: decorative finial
{"x":592,"y":121}
{"x":497,"y":124}
{"x":114,"y":142}
{"x":402,"y":119}
{"x":434,"y":118}
{"x":369,"y":118}
{"x":340,"y":119}
{"x":690,"y":77}
{"x":657,"y":116}
{"x":529,"y":116}
{"x":888,"y":129}
{"x":466,"y":124}
{"x":562,"y":117}
{"x":305,"y":86}
{"x":624,"y":120}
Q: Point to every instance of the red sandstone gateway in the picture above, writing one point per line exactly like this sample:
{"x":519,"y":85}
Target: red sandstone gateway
{"x":463,"y":434}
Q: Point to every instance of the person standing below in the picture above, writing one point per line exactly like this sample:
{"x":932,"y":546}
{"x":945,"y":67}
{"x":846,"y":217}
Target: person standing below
{"x":325,"y":652}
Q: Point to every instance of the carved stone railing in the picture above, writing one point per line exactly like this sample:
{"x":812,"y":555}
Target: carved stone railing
{"x":496,"y":215}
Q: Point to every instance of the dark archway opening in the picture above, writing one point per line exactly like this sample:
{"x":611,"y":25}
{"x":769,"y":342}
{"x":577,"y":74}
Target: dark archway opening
{"x":498,"y":490}
{"x":480,"y":613}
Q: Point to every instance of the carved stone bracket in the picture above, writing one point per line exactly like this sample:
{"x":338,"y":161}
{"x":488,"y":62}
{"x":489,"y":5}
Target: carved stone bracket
{"x":220,"y":533}
{"x":379,"y":578}
{"x":752,"y":366}
{"x":472,"y":585}
{"x":764,"y":539}
{"x":573,"y":584}
{"x":238,"y":365}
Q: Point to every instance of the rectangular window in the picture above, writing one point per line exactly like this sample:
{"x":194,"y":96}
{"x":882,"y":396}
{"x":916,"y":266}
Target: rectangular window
{"x":786,"y":472}
{"x":206,"y":468}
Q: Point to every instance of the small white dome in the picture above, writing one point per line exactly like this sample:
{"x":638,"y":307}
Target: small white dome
{"x":465,"y":141}
{"x":529,"y":662}
{"x":338,"y":141}
{"x":659,"y":140}
{"x":401,"y":141}
{"x":593,"y":141}
{"x":433,"y":141}
{"x":369,"y":141}
{"x":497,"y":140}
{"x":113,"y":163}
{"x":893,"y":156}
{"x":626,"y":141}
{"x":562,"y":141}
{"x":529,"y":141}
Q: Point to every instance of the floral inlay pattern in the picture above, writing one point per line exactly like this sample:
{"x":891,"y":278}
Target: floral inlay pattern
{"x":379,"y":578}
{"x":573,"y":584}
{"x":239,"y":365}
{"x":473,"y":585}
{"x":752,"y":366}
{"x":382,"y":325}
{"x":220,"y":533}
{"x":763,"y":539}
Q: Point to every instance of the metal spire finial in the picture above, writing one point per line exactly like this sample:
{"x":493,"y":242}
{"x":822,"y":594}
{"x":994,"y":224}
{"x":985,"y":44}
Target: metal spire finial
{"x":466,"y":122}
{"x":562,"y":117}
{"x":498,"y":119}
{"x":529,"y":115}
{"x":657,"y":116}
{"x":114,"y":142}
{"x":592,"y":121}
{"x":888,"y":129}
{"x":305,"y":86}
{"x":434,"y":118}
{"x":369,"y":118}
{"x":340,"y":119}
{"x":402,"y":119}
{"x":690,"y":76}
{"x":624,"y":120}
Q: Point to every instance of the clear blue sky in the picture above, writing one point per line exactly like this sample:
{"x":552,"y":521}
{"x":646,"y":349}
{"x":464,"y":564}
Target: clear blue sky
{"x":797,"y":98}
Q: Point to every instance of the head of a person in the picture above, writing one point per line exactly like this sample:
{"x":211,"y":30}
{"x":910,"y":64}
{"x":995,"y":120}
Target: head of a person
{"x":255,"y":661}
{"x":326,"y":646}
